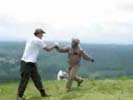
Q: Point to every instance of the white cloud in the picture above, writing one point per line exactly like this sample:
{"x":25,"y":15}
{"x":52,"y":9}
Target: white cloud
{"x":96,"y":21}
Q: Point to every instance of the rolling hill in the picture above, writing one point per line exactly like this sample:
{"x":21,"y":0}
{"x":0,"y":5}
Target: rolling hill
{"x":107,"y":89}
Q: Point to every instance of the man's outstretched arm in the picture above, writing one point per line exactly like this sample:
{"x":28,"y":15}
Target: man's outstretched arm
{"x":50,"y":48}
{"x":86,"y":56}
{"x":62,"y":50}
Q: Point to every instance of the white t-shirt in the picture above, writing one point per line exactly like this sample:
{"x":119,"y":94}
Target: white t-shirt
{"x":32,"y":49}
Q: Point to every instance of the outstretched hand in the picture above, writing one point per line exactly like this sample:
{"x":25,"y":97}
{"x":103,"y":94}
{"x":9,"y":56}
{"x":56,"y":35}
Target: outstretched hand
{"x":92,"y":60}
{"x":56,"y":44}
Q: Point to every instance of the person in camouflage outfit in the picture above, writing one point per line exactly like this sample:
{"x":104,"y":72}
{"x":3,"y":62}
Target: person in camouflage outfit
{"x":75,"y":53}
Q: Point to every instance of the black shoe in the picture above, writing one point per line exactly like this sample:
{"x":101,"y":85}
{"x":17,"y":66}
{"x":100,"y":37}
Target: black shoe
{"x":45,"y":95}
{"x":79,"y":83}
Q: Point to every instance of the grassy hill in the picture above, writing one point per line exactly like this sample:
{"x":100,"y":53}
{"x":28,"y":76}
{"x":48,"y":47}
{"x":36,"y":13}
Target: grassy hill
{"x":111,"y":61}
{"x":107,"y":89}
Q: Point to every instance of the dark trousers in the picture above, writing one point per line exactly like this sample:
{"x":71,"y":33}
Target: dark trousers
{"x":29,"y":70}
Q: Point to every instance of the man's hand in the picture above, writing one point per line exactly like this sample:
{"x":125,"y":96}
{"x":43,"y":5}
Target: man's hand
{"x":56,"y":44}
{"x":92,"y":60}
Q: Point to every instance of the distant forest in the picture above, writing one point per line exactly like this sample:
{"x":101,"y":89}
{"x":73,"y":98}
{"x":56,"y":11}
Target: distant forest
{"x":111,"y":61}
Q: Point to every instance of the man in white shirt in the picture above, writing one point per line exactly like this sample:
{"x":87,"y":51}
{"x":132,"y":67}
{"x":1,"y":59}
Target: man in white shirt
{"x":28,"y":64}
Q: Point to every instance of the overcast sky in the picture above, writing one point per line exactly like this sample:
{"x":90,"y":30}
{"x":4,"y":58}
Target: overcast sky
{"x":93,"y":21}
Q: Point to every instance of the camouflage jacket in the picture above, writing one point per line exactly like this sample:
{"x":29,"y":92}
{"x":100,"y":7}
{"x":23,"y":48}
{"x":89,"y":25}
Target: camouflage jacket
{"x":75,"y":54}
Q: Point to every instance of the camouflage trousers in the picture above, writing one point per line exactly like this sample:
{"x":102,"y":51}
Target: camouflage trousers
{"x":72,"y":76}
{"x":29,"y":70}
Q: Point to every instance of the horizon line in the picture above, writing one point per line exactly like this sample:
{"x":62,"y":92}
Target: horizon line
{"x":91,"y":43}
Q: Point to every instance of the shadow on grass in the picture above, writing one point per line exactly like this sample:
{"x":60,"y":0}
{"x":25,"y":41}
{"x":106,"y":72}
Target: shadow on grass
{"x":34,"y":98}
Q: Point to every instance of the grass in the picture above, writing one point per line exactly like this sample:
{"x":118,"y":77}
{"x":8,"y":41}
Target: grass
{"x":107,"y":89}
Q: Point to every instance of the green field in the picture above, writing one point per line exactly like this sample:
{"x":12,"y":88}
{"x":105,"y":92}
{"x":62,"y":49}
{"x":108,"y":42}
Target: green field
{"x":107,"y":89}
